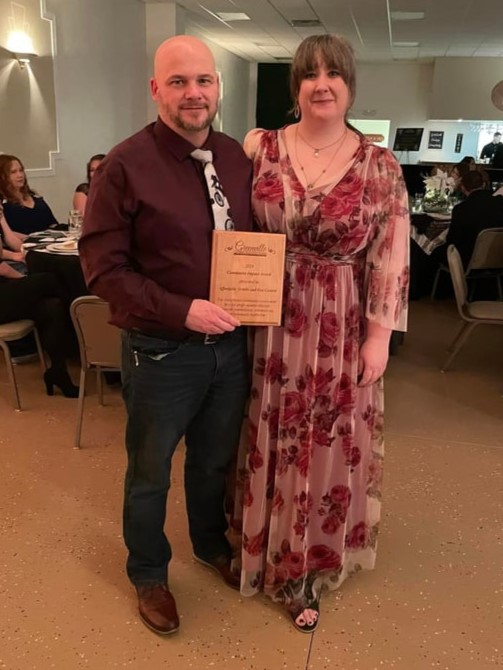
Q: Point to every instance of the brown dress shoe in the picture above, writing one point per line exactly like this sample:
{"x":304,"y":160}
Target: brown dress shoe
{"x":157,"y":608}
{"x":222,"y":565}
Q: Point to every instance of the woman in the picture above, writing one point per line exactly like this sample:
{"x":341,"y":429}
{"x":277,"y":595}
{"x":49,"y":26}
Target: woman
{"x":13,"y":253}
{"x":25,"y":211}
{"x":82,"y":190}
{"x":37,"y":297}
{"x":313,"y":473}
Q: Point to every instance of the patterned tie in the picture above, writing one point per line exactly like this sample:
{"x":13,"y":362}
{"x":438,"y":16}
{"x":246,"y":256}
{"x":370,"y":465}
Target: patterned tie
{"x":219,"y":204}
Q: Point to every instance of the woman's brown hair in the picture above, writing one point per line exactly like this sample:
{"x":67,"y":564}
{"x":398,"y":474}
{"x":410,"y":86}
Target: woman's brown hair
{"x":334,"y":51}
{"x":7,"y":191}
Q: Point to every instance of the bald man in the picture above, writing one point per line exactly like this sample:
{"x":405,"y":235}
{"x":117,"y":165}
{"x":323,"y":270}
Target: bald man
{"x":146,"y":248}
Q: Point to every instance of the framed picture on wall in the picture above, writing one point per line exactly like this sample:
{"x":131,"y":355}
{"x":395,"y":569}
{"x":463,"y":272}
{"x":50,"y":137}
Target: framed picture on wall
{"x":436,"y":139}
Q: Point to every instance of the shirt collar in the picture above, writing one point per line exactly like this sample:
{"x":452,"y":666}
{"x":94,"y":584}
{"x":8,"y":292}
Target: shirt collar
{"x":175,"y":143}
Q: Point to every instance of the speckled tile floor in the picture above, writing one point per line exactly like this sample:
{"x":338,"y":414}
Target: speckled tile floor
{"x":434,"y":601}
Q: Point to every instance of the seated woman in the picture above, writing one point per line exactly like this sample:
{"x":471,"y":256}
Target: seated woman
{"x":82,"y":190}
{"x":37,"y":297}
{"x":470,"y":161}
{"x":25,"y":211}
{"x":458,"y":171}
{"x":13,"y":254}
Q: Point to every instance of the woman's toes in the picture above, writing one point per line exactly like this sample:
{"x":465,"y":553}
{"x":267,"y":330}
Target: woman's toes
{"x":301,"y":620}
{"x":307,"y":617}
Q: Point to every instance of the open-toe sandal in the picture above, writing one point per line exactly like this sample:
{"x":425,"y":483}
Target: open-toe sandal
{"x":306,"y":627}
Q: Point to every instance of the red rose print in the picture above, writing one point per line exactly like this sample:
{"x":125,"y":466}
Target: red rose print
{"x":330,"y":525}
{"x":321,"y":437}
{"x":303,"y":460}
{"x":268,"y":187}
{"x":260,"y":366}
{"x":351,"y":349}
{"x":341,"y":494}
{"x":268,"y":142}
{"x":252,"y":433}
{"x":255,"y":459}
{"x":351,"y":184}
{"x":295,"y":318}
{"x":294,"y":409}
{"x":278,"y":502}
{"x":329,"y":329}
{"x":294,"y":564}
{"x":322,"y":381}
{"x":345,"y":394}
{"x":321,"y":557}
{"x":274,"y":368}
{"x":351,"y":239}
{"x":255,"y":544}
{"x":355,"y":457}
{"x":335,"y":207}
{"x":327,"y":277}
{"x":358,"y":536}
{"x":273,"y":423}
{"x":247,"y":494}
{"x":303,"y":275}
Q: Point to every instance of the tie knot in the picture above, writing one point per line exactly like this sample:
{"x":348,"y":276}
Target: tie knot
{"x":205,"y":156}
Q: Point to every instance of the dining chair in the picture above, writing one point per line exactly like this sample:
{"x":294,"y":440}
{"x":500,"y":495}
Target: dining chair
{"x":472,"y":313}
{"x":99,"y":345}
{"x":10,"y":332}
{"x":486,"y":262}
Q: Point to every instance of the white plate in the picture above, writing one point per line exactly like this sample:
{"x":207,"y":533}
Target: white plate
{"x":28,"y":245}
{"x":63,"y":248}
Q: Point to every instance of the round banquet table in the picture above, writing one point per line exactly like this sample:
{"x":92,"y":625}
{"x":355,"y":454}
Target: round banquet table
{"x":65,"y":266}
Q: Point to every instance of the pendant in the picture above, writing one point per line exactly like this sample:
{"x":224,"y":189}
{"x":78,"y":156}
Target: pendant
{"x":316,"y":153}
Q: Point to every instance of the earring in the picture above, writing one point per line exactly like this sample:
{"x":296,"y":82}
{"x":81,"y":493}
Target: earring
{"x":296,"y":111}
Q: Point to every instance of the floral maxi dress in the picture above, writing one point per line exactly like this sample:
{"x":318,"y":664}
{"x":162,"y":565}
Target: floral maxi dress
{"x":312,"y":480}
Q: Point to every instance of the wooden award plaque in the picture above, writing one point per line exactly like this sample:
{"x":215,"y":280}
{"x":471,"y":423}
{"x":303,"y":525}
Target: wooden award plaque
{"x":247,"y":271}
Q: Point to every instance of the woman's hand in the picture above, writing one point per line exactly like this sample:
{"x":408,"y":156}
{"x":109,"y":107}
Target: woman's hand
{"x":374,"y":354}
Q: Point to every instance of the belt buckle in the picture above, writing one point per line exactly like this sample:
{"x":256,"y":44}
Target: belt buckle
{"x":210,"y":339}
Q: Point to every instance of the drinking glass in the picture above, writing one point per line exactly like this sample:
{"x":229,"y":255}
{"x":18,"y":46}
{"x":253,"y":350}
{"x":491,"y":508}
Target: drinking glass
{"x":75,"y":220}
{"x":417,"y":205}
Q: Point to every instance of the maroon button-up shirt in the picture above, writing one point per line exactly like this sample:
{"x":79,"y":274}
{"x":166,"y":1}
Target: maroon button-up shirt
{"x":146,"y":241}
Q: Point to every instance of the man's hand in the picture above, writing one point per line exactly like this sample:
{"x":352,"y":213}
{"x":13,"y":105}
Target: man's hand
{"x":206,"y":317}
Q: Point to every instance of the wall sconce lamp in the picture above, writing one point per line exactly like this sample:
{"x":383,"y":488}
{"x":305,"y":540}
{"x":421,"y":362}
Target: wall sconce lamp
{"x":23,"y":58}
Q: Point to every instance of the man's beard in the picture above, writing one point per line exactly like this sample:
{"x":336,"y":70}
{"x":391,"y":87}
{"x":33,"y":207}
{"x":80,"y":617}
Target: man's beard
{"x":193,"y":127}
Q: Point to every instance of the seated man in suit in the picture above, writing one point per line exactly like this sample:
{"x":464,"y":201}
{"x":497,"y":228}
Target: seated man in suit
{"x":478,"y":211}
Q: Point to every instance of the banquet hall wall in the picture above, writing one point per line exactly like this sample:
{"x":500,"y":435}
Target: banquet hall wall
{"x":102,"y":64}
{"x":101,"y":69}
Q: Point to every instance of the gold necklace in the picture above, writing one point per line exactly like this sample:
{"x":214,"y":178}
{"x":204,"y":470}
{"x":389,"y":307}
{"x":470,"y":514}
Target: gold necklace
{"x":310,"y":185}
{"x":317,"y":150}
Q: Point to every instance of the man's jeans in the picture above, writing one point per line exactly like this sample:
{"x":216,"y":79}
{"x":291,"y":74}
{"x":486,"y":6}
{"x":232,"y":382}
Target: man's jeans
{"x":172,"y":389}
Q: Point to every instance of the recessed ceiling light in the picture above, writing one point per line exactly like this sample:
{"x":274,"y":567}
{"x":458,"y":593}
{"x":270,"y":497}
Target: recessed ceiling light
{"x":407,"y":16}
{"x":405,"y":44}
{"x":233,"y":16}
